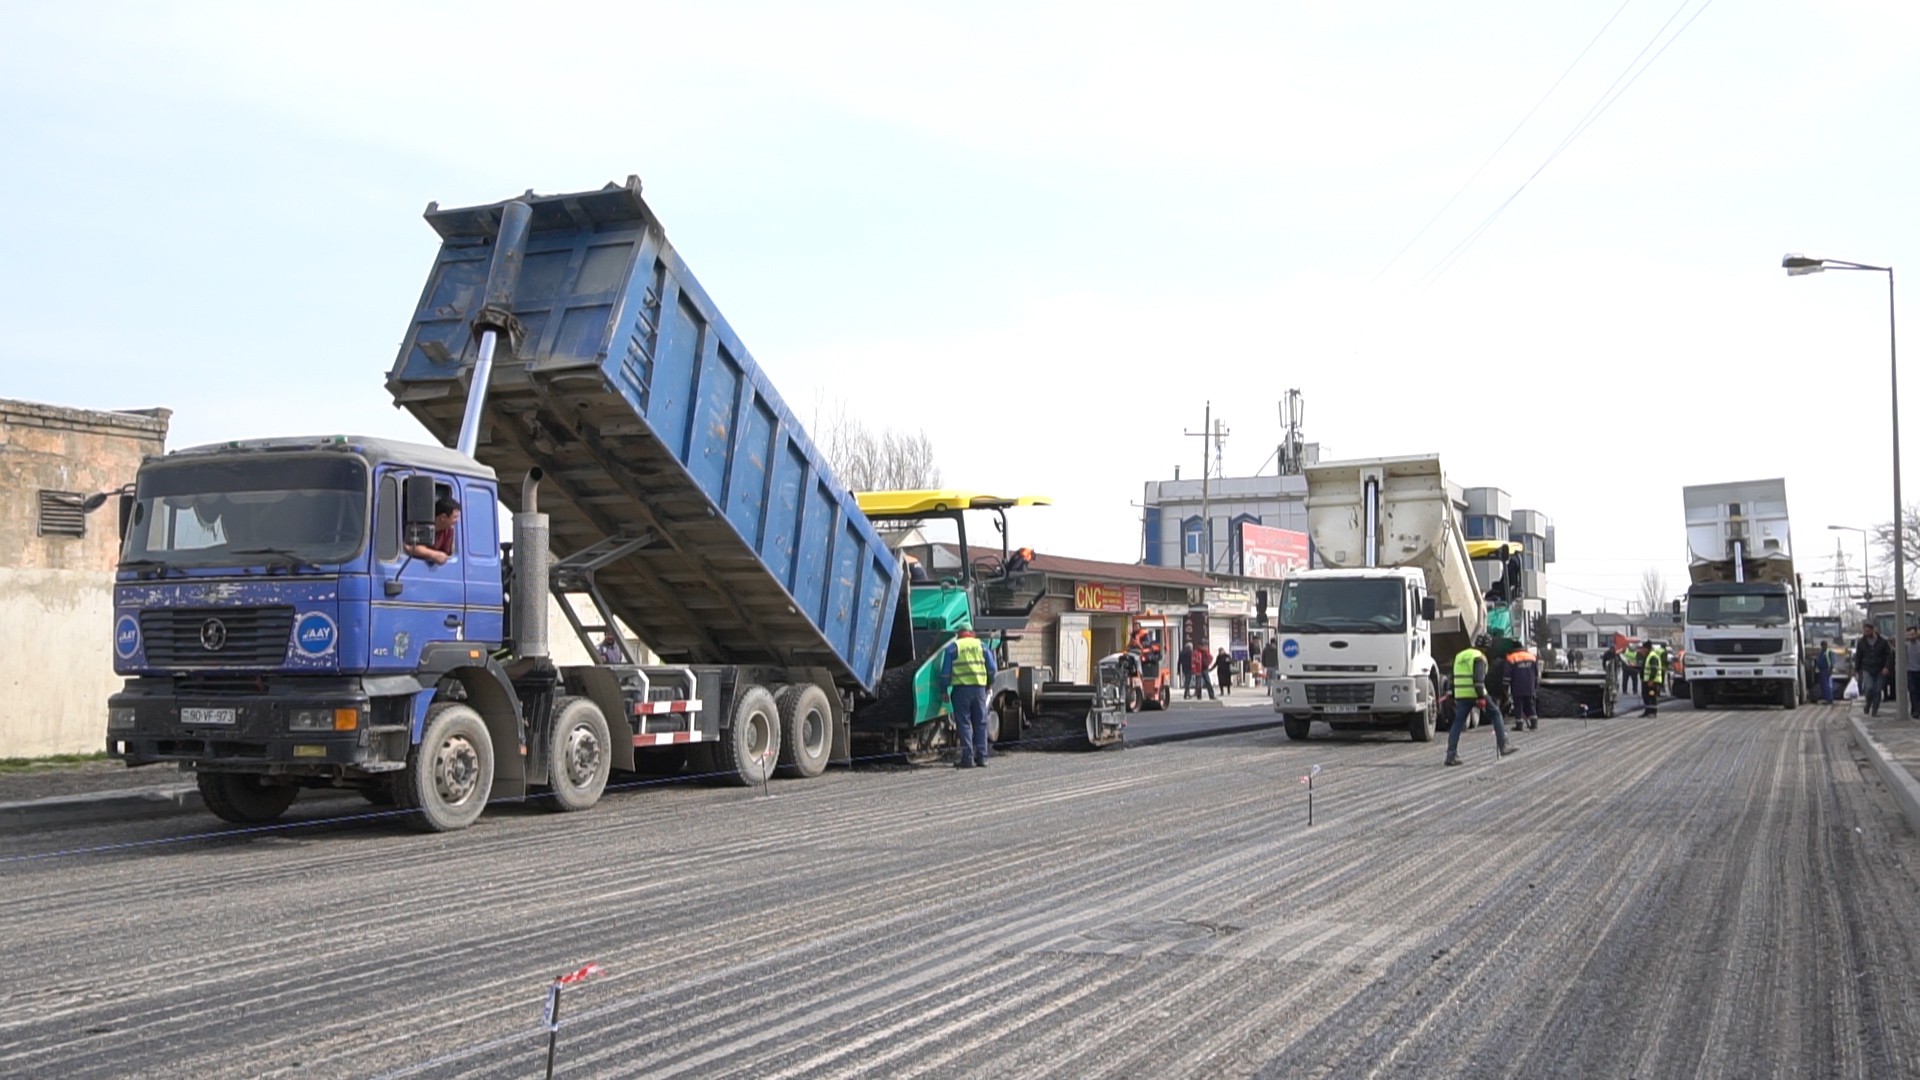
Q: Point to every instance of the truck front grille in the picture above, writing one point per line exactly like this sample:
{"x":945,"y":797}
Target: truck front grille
{"x":1337,"y":693}
{"x":216,"y":637}
{"x":1737,"y":646}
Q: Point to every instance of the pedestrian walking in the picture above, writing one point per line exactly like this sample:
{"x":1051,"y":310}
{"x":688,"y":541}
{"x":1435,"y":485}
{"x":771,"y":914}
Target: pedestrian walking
{"x":1653,"y":676}
{"x":1523,"y":682}
{"x":1823,"y":671}
{"x":1913,"y":673}
{"x":1223,"y":667}
{"x":966,"y":670}
{"x":1186,"y":674}
{"x":1872,"y":664}
{"x":1469,"y":692}
{"x":1202,"y":663}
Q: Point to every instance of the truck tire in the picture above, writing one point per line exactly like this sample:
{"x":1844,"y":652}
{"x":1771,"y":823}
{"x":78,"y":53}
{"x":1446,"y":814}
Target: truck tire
{"x":1790,"y":695}
{"x":806,"y":730}
{"x":1701,"y":696}
{"x":1298,"y":727}
{"x":749,"y":745}
{"x":245,"y":798}
{"x":579,"y":755}
{"x":1421,"y":725}
{"x":450,"y":774}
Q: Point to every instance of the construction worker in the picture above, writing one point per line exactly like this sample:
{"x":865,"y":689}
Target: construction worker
{"x":1523,"y":682}
{"x":1653,"y":677}
{"x":1470,"y":691}
{"x":966,"y":669}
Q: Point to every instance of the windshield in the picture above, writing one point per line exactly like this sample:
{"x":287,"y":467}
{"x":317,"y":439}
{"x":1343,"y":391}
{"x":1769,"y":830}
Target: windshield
{"x":250,"y":511}
{"x":1744,"y":609}
{"x":1348,"y":605}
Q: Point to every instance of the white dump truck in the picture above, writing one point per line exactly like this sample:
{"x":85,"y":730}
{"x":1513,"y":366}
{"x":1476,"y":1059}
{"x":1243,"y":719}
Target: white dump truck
{"x":1743,"y":640}
{"x":1368,"y":641}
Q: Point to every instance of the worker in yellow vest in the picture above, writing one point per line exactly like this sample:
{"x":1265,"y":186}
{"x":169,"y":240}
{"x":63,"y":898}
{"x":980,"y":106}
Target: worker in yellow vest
{"x":966,"y":670}
{"x":1469,"y":688}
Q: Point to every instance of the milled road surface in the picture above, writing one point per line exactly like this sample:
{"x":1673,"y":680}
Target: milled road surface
{"x":1719,"y":894}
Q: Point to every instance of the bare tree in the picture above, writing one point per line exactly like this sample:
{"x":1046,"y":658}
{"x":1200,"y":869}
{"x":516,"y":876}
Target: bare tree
{"x":1653,"y":591}
{"x":866,"y":460}
{"x":1883,"y":540}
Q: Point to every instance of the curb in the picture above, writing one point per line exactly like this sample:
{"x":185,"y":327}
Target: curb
{"x":1906,"y":791}
{"x":103,"y":806}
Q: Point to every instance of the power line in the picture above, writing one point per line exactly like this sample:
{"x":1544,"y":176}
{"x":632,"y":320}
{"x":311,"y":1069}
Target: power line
{"x":1594,"y":112}
{"x":1503,"y":143}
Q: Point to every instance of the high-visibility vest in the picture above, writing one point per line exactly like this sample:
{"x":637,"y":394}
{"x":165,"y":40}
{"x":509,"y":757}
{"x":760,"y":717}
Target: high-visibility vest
{"x":1655,"y":669}
{"x":1463,"y":663}
{"x":969,"y":662}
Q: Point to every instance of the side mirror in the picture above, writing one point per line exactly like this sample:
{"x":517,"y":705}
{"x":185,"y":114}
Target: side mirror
{"x":1803,"y":606}
{"x":1675,"y":607}
{"x":416,"y":511}
{"x":127,"y":505}
{"x":1260,"y":607}
{"x":1429,"y":608}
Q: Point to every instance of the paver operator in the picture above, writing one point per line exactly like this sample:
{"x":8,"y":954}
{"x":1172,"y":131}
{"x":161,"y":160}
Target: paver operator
{"x":966,"y":669}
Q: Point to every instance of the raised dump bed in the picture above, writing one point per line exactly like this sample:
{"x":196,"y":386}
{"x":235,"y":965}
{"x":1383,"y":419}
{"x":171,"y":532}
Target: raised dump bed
{"x":667,"y":453}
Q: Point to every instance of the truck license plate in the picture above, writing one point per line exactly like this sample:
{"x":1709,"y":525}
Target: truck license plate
{"x":206,"y":716}
{"x":1342,"y":708}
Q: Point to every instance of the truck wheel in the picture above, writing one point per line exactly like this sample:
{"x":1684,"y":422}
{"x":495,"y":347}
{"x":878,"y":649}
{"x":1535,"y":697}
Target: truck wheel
{"x":1298,"y":727}
{"x":750,"y":744}
{"x":450,"y":774}
{"x":806,"y":730}
{"x":245,"y":798}
{"x":579,"y":754}
{"x":1789,"y":695}
{"x":1701,"y":697}
{"x":1423,"y":724}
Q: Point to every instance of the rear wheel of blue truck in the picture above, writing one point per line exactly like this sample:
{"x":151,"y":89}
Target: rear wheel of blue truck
{"x":806,"y":730}
{"x":450,"y":774}
{"x":579,"y":754}
{"x":750,"y":744}
{"x":245,"y":798}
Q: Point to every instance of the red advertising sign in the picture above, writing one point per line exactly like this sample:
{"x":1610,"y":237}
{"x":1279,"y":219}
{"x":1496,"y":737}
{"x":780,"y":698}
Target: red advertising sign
{"x":1094,"y":596}
{"x":1267,"y":552}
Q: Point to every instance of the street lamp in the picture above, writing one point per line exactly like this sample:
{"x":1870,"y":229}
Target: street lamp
{"x":1866,"y":573}
{"x":1796,"y":266}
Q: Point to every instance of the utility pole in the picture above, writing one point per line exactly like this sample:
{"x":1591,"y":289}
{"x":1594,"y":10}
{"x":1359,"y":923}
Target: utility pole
{"x":1293,"y":413}
{"x":1215,"y":430}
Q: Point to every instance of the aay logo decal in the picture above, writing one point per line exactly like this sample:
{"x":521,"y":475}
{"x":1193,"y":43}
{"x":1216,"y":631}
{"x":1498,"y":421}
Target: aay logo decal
{"x":126,"y":637}
{"x":315,"y":634}
{"x":1290,"y":648}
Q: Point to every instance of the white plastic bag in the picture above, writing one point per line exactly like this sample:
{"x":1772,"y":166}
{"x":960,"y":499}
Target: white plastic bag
{"x":1853,"y":690}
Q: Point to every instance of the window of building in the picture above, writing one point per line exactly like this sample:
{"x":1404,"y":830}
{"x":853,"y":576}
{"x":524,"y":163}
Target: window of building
{"x":60,"y":514}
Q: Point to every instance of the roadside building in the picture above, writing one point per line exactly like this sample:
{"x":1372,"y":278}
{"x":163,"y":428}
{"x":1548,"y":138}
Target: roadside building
{"x":57,"y":565}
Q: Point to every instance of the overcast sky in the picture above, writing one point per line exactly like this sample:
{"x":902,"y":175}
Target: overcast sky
{"x":1047,"y":235}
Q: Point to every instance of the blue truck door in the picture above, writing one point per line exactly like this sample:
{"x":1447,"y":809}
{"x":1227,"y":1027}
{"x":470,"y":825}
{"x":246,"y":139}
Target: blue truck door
{"x":480,"y":518}
{"x":431,"y":604}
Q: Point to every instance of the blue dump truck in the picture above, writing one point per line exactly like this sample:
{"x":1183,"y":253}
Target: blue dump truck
{"x":341,"y":611}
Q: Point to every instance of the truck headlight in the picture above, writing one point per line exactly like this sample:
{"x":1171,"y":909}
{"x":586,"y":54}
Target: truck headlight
{"x":119,"y":717}
{"x":323,"y":719}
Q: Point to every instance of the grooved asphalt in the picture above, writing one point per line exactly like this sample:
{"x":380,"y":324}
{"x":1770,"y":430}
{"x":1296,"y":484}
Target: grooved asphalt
{"x":1717,"y":894}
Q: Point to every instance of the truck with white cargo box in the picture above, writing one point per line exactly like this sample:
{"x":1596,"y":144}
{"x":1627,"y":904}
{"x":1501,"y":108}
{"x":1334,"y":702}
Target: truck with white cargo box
{"x":1742,"y":621}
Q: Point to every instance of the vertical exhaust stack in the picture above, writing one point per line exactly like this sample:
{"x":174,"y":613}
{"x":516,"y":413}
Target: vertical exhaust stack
{"x":1370,"y":506}
{"x":495,"y":316}
{"x":531,"y":562}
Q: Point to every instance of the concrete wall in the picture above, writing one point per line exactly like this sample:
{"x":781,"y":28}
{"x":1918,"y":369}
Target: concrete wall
{"x":56,"y":592}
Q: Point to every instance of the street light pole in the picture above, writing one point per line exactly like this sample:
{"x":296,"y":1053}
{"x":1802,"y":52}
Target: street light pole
{"x":1796,"y":265}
